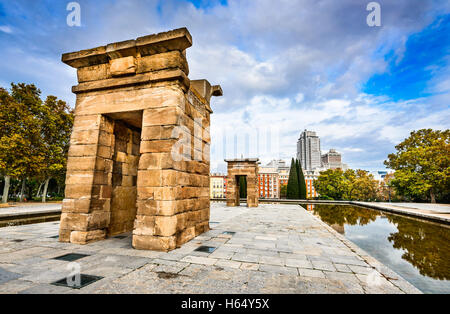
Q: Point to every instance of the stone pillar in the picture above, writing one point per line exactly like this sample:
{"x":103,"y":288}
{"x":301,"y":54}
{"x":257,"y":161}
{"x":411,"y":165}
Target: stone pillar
{"x":140,"y":145}
{"x":86,"y":207}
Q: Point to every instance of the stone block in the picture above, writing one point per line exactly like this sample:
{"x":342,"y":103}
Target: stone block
{"x":78,"y":192}
{"x":84,"y":137}
{"x":185,"y":236}
{"x":166,"y":225}
{"x":80,"y":163}
{"x":84,"y":237}
{"x":86,"y":122}
{"x":123,"y":66}
{"x":80,"y":178}
{"x":157,"y":146}
{"x":64,"y":235}
{"x":162,"y":116}
{"x":76,"y":206}
{"x":201,"y":228}
{"x":162,"y":61}
{"x":155,"y":243}
{"x":149,"y":178}
{"x":93,"y":73}
{"x":146,"y":207}
{"x":83,"y":150}
{"x":144,"y":193}
{"x":144,"y":225}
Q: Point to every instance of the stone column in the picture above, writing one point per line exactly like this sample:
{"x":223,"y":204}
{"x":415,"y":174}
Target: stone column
{"x":159,"y":205}
{"x":86,"y":208}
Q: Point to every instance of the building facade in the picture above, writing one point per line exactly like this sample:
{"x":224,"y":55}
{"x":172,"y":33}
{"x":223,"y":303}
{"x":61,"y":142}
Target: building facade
{"x":268,"y":182}
{"x":282,"y":169}
{"x":333,"y":160}
{"x":217,"y":185}
{"x":310,"y":177}
{"x":308,"y":150}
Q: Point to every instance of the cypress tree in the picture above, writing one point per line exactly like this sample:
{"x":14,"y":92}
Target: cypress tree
{"x":292,"y":187}
{"x":301,"y":182}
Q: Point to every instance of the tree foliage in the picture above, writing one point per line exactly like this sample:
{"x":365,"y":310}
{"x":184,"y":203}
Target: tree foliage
{"x":34,"y":135}
{"x":292,"y":186}
{"x":422,"y":165}
{"x":346,"y":185}
{"x":301,"y":181}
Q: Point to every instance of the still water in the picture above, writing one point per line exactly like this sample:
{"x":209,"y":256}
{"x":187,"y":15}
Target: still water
{"x":417,"y":250}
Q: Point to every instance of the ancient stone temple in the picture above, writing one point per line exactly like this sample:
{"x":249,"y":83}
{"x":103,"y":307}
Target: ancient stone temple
{"x":139,"y":151}
{"x":247,"y":168}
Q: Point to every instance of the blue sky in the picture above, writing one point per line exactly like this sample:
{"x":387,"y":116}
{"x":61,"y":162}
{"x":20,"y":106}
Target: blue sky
{"x":408,"y":76}
{"x":284,"y":66}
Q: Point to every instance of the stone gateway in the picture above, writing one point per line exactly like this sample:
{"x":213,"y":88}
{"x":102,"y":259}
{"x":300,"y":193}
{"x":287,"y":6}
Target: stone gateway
{"x":247,"y":168}
{"x":139,"y":151}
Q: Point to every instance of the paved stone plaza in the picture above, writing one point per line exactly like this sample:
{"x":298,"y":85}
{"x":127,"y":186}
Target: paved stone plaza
{"x":275,"y":249}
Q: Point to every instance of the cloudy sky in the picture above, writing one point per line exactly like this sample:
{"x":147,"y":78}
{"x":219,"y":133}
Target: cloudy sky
{"x":284,"y":66}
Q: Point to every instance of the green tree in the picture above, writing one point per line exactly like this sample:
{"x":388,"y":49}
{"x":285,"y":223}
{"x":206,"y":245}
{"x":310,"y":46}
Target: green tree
{"x":422,"y":165}
{"x":34,"y":136}
{"x":361,"y":185}
{"x":283,"y":190}
{"x":20,"y":137}
{"x":292,"y":186}
{"x":332,"y":184}
{"x":346,"y":185}
{"x":56,"y":130}
{"x":301,"y":181}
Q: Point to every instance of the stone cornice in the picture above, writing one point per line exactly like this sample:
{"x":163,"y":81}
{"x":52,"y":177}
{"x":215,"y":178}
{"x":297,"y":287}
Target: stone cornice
{"x":151,"y":77}
{"x":178,"y":39}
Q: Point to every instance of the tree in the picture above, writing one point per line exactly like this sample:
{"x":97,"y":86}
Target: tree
{"x":20,"y":155}
{"x":386,"y":191}
{"x":349,"y":185}
{"x":301,"y":181}
{"x":362,"y":185}
{"x":332,"y":184}
{"x":56,"y":130}
{"x":422,"y":165}
{"x":283,"y":190}
{"x":292,"y":186}
{"x":34,"y":136}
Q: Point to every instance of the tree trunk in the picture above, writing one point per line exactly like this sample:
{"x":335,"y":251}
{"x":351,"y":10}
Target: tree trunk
{"x":39,"y":190}
{"x":433,"y":197}
{"x":6,"y":189}
{"x":44,"y":194}
{"x":22,"y":190}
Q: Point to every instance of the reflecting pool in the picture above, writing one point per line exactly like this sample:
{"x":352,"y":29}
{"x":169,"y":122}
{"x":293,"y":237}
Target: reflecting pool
{"x":417,"y":250}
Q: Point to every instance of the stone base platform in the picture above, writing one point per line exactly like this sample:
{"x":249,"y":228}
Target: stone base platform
{"x":275,"y":249}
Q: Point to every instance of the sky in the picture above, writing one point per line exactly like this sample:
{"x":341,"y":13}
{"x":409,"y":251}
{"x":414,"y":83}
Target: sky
{"x":284,"y":66}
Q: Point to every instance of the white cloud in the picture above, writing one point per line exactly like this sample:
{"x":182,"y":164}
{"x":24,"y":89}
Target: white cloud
{"x":6,"y":29}
{"x":286,"y":64}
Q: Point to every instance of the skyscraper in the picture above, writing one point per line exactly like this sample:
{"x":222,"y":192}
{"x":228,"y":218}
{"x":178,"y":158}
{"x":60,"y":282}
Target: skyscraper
{"x":308,"y":150}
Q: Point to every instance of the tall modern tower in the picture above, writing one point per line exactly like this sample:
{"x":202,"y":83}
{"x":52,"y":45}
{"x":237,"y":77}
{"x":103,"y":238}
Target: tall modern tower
{"x":308,"y":150}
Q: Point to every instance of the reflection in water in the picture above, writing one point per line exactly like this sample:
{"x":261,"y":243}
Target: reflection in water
{"x":426,"y":246}
{"x":394,"y":239}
